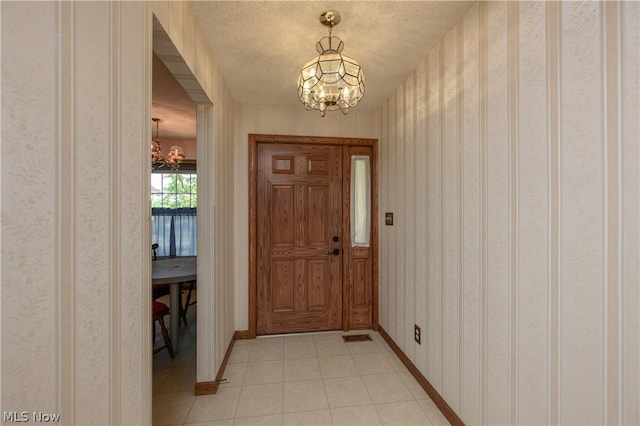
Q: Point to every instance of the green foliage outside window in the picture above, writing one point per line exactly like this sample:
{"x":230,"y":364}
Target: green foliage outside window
{"x":174,"y":190}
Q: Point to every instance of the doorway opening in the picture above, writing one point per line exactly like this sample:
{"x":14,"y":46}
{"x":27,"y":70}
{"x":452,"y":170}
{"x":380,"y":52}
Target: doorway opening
{"x":182,"y":215}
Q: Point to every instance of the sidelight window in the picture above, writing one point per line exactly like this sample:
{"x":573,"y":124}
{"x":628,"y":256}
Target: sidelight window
{"x":360,"y":200}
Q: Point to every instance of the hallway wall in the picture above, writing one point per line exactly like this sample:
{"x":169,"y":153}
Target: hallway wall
{"x":510,"y":160}
{"x":76,"y":261}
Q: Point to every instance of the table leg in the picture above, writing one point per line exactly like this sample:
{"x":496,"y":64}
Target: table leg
{"x":174,"y":292}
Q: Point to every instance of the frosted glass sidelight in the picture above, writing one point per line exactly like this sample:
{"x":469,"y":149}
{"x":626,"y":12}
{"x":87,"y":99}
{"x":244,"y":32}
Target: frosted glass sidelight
{"x":360,"y":201}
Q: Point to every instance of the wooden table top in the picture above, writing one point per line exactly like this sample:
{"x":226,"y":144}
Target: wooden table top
{"x":175,"y":269}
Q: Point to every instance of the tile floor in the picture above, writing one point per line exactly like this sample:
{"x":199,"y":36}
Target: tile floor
{"x":307,"y":379}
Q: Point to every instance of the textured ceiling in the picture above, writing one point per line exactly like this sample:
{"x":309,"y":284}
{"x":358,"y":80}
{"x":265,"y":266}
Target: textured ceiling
{"x":172,"y":104}
{"x":260,"y":46}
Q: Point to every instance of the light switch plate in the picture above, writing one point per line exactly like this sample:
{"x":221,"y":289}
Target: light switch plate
{"x":388,"y":219}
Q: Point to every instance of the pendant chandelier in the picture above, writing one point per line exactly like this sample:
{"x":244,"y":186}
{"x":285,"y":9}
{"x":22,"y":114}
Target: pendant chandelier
{"x":174,"y":157}
{"x":330,"y":81}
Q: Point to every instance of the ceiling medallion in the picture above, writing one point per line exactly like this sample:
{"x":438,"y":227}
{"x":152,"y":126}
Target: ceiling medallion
{"x":331,"y":80}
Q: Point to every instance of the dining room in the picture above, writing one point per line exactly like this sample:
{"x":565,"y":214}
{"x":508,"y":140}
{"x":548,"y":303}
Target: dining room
{"x":174,"y":242}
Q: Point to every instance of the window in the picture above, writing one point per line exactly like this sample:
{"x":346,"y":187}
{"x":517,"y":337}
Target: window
{"x":360,"y":201}
{"x":174,"y":190}
{"x":174,"y":198}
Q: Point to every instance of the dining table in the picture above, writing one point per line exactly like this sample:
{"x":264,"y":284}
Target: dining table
{"x":174,"y":272}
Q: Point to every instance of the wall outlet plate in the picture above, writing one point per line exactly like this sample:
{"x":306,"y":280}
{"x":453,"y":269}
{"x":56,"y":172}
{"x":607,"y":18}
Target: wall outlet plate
{"x":416,"y":334}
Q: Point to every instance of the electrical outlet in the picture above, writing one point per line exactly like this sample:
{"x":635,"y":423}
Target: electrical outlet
{"x":416,"y":333}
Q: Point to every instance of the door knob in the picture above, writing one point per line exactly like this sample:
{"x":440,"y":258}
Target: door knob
{"x":336,"y":238}
{"x":335,"y":252}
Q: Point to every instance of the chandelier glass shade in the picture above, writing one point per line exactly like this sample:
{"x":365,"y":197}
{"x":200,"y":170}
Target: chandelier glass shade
{"x":330,"y":81}
{"x":174,"y":157}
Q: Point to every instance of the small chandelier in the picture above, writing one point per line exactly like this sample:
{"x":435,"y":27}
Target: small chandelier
{"x":174,"y":157}
{"x":330,"y":81}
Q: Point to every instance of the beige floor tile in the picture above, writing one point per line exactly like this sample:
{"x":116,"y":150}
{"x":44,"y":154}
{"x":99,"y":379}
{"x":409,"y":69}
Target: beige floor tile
{"x":260,"y":400}
{"x":162,"y":360}
{"x":384,"y":346}
{"x":172,"y":408}
{"x":268,"y":340}
{"x":428,"y":406}
{"x":364,"y":415}
{"x":304,"y":396}
{"x":240,"y":354}
{"x":363,"y":347}
{"x":222,"y":405}
{"x":386,"y":388}
{"x":402,"y":413}
{"x":234,"y":373}
{"x":433,"y":412}
{"x":331,"y":347}
{"x":293,"y":338}
{"x":308,"y":418}
{"x":395,"y":362}
{"x":159,"y":377}
{"x":301,"y":369}
{"x":338,"y":366}
{"x":242,"y":342}
{"x":179,"y":380}
{"x":327,"y":335}
{"x":293,"y":380}
{"x":261,"y":372}
{"x":187,"y":357}
{"x":346,"y":391}
{"x":373,"y":364}
{"x":271,"y":420}
{"x":439,"y":419}
{"x":299,"y":349}
{"x":414,"y":387}
{"x":266,"y":351}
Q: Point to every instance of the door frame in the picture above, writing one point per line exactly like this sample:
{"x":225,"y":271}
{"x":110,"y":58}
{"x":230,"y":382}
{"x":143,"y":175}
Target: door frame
{"x":254,"y":140}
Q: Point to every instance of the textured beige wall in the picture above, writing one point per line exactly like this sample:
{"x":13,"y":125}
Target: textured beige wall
{"x":30,"y":216}
{"x":76,"y":103}
{"x":510,"y":159}
{"x":74,"y":220}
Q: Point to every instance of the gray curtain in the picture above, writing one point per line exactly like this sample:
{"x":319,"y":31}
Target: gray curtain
{"x":175,"y":231}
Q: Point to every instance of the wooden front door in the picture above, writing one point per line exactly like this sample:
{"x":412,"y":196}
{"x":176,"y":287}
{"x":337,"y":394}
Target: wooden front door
{"x":299,"y":238}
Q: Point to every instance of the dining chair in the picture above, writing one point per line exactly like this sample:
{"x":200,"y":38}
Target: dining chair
{"x":159,"y":311}
{"x":188,"y":302}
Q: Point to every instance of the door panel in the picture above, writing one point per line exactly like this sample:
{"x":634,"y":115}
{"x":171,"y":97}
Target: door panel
{"x":283,"y":295}
{"x":282,"y":206}
{"x":299,"y":211}
{"x":360,"y":294}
